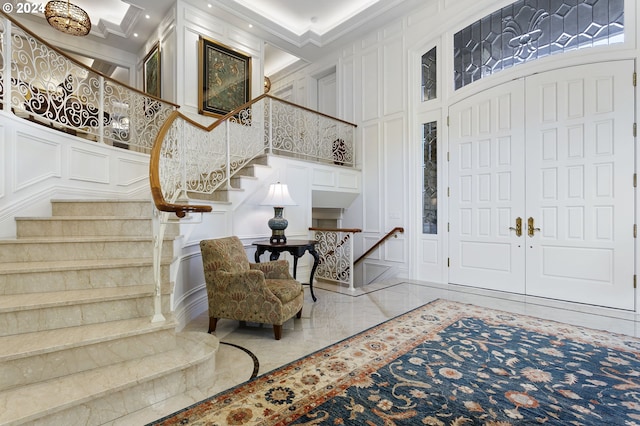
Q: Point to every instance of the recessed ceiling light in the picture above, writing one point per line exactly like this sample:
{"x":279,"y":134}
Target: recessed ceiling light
{"x":147,"y":16}
{"x":209,"y":5}
{"x":135,"y":34}
{"x":250,"y":25}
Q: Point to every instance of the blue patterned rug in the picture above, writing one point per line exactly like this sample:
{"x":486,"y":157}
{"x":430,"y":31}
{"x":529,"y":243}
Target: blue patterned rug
{"x":445,"y":363}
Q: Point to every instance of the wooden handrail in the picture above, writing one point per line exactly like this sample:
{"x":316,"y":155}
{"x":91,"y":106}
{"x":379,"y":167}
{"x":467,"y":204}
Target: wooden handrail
{"x":354,"y":230}
{"x":382,"y":240}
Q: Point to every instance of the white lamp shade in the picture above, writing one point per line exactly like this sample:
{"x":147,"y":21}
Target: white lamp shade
{"x":278,"y":195}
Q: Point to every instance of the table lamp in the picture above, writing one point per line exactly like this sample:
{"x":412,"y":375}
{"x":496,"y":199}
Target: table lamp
{"x":278,"y":197}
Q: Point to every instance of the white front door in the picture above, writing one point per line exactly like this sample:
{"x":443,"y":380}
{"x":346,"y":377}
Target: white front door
{"x":563,"y":162}
{"x":579,"y":189}
{"x":486,"y":177}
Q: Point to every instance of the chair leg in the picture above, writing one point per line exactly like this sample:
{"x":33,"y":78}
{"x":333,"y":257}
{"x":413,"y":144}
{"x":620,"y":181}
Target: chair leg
{"x":212,"y":324}
{"x":277,"y":331}
{"x":299,"y":314}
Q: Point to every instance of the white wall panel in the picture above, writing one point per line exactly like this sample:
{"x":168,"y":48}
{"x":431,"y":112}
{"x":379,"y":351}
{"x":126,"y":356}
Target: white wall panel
{"x":88,"y":165}
{"x":430,"y":252}
{"x":370,"y":85}
{"x":395,"y":186}
{"x":36,"y":160}
{"x":394,"y":250}
{"x":346,"y":86}
{"x":371,"y":178}
{"x":130,"y":171}
{"x":394,"y":77}
{"x":190,"y":69}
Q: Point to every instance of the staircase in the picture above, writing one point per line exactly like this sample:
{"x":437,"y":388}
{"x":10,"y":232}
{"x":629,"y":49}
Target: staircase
{"x":243,"y":183}
{"x":77,"y":345}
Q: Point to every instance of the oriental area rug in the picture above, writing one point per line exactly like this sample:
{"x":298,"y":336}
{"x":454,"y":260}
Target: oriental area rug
{"x":444,"y":363}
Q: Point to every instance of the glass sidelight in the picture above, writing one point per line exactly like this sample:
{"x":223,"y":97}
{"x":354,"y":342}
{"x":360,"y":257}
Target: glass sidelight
{"x":430,"y":178}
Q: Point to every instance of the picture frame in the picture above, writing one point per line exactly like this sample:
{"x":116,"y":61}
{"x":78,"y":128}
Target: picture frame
{"x":224,"y":78}
{"x":151,"y":72}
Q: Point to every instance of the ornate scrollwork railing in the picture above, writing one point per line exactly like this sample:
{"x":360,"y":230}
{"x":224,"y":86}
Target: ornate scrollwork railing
{"x":41,"y":83}
{"x":191,"y":161}
{"x":335,"y":247}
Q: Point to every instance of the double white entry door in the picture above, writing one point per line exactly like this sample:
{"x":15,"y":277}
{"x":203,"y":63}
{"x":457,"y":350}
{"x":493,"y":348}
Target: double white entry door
{"x":541,"y":176}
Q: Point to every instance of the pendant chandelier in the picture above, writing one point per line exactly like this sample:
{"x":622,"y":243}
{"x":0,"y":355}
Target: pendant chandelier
{"x":67,"y":17}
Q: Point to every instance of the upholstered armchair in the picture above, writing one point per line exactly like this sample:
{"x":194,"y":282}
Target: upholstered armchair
{"x":255,"y":292}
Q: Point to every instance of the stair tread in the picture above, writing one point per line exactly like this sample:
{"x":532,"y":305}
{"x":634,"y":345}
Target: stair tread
{"x":30,"y":402}
{"x":28,"y":301}
{"x":47,"y":341}
{"x":63,"y":265}
{"x":76,"y":239}
{"x":100,"y":200}
{"x":77,"y":218}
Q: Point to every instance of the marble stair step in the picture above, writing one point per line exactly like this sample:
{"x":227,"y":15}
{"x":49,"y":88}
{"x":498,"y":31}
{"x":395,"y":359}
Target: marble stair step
{"x":104,"y":394}
{"x":33,"y":357}
{"x":26,"y":313}
{"x":128,"y":208}
{"x":36,"y":277}
{"x":82,"y":226}
{"x":34,"y":249}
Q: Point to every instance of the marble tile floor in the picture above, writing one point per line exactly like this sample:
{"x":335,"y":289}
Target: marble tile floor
{"x":340,"y":313}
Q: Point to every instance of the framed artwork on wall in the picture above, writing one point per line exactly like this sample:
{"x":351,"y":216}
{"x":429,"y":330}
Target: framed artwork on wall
{"x":151,"y":71}
{"x":224,"y":78}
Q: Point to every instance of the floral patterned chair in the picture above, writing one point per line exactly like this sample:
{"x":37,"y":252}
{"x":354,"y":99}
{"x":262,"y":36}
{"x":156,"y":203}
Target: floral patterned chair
{"x":255,"y":292}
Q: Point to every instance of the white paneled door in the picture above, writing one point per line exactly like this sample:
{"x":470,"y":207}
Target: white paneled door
{"x":555,"y":150}
{"x":486,"y":189}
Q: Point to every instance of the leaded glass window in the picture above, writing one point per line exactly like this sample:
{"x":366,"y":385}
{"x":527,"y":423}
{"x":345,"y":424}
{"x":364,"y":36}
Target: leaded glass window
{"x":531,"y":29}
{"x":429,"y":75}
{"x":430,"y":178}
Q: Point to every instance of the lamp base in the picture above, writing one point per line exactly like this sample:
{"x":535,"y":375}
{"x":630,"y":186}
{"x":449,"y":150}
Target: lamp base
{"x":278,"y":238}
{"x":278,"y":224}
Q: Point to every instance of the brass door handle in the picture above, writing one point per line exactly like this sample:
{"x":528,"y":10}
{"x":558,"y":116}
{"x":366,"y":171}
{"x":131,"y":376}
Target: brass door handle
{"x":518,"y":227}
{"x":530,"y":227}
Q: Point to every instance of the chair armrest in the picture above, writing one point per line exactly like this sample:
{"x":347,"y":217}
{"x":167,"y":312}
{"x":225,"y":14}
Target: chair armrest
{"x":274,"y":270}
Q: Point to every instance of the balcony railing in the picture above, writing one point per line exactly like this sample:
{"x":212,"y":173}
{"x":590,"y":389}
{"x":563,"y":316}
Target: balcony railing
{"x":41,"y":83}
{"x":336,"y":255}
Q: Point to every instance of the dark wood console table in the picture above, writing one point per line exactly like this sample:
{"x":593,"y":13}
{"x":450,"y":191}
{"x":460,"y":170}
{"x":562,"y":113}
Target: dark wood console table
{"x":296,"y":248}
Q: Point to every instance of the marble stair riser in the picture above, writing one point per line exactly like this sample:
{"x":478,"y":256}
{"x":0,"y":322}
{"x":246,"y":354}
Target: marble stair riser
{"x":80,"y":279}
{"x":48,"y":318}
{"x":64,"y":361}
{"x":97,"y":397}
{"x":42,"y":251}
{"x":101,"y":208}
{"x":83,"y":227}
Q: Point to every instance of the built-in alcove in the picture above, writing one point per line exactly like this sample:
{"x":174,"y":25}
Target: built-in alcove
{"x":326,"y":217}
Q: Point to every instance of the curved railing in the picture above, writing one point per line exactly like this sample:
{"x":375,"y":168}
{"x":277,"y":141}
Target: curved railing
{"x":41,"y":83}
{"x":191,"y":161}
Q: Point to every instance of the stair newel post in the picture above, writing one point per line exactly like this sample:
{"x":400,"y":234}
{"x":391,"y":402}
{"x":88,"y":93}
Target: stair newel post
{"x":228,"y":141}
{"x":160,"y":227}
{"x":101,"y":111}
{"x":350,"y":235}
{"x":270,"y":133}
